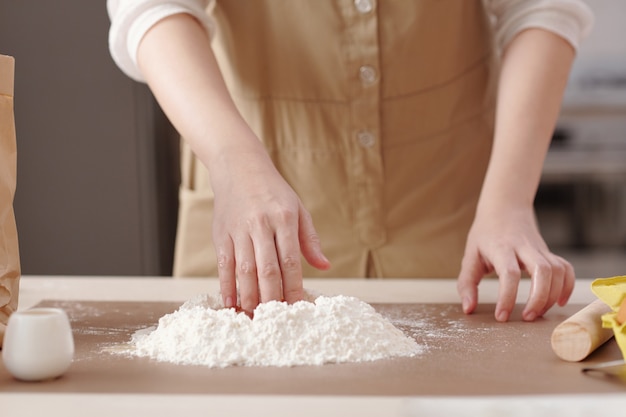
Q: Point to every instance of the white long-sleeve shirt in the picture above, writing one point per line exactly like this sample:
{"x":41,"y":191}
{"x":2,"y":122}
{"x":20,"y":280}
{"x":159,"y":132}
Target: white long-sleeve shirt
{"x":131,"y":19}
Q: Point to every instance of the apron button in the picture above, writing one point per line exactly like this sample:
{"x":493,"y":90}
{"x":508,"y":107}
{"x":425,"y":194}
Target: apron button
{"x":368,"y":74}
{"x":363,"y":6}
{"x":366,"y":138}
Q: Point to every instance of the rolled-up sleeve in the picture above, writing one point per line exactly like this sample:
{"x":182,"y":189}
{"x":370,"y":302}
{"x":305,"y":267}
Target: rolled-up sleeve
{"x":570,"y":19}
{"x":131,"y":19}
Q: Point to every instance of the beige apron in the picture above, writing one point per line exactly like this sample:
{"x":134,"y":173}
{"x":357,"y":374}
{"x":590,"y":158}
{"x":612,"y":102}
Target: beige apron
{"x":379,"y":113}
{"x":9,"y":258}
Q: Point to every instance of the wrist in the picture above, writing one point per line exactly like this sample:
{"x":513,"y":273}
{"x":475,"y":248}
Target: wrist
{"x":511,"y":201}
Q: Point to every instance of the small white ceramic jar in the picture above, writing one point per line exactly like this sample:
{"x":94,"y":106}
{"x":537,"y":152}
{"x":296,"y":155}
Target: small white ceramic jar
{"x":38,"y":344}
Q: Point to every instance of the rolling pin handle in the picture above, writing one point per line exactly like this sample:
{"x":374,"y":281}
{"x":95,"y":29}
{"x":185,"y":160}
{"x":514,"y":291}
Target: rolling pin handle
{"x":582,"y":333}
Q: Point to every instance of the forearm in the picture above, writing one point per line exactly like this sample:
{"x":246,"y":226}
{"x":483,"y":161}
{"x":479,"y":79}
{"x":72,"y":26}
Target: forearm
{"x":533,"y":76}
{"x":176,"y":59}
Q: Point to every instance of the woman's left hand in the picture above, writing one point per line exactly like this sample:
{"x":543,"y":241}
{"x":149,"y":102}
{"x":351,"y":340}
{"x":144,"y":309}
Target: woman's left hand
{"x":509,"y":244}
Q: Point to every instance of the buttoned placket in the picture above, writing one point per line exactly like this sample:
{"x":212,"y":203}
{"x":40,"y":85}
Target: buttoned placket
{"x":366,"y":157}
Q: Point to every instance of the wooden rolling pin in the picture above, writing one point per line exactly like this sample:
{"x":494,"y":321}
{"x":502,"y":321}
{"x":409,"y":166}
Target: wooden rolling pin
{"x":575,"y":338}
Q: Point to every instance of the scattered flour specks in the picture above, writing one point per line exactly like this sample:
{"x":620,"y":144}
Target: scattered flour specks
{"x":328,"y":330}
{"x":434,"y":325}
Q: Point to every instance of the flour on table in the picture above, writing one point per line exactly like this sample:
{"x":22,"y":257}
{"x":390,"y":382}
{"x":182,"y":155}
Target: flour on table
{"x":325,"y":330}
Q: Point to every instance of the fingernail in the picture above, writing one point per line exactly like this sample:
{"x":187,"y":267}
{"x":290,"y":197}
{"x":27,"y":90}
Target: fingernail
{"x":466,"y":304}
{"x":502,"y":316}
{"x":530,"y":316}
{"x":229,"y":302}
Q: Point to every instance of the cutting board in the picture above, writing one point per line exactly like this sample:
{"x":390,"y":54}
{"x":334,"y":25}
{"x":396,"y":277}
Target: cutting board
{"x":464,"y":355}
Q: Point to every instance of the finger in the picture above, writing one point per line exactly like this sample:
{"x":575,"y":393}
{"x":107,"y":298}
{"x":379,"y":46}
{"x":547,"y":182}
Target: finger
{"x":246,"y":274}
{"x":310,"y":242}
{"x":556,"y":286}
{"x":509,"y":274}
{"x":540,"y":283}
{"x":288,"y":249}
{"x":569,"y":280}
{"x":267,"y":266}
{"x":291,"y":268}
{"x":226,"y":272}
{"x":472,"y":272}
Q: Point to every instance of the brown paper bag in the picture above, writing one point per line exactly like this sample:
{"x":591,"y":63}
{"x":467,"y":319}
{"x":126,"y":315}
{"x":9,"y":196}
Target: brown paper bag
{"x":9,"y":253}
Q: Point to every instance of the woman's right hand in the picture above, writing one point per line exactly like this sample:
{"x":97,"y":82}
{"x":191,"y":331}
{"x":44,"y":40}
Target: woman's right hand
{"x":260,"y":228}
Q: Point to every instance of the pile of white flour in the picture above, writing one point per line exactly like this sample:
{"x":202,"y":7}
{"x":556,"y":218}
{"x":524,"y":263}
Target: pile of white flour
{"x":327,"y":330}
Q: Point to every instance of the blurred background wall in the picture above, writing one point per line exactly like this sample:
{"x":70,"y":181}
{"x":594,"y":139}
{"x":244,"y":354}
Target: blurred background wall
{"x":581,"y":203}
{"x":98,"y":162}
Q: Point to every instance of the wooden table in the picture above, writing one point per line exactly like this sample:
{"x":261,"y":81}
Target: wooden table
{"x":35,"y":401}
